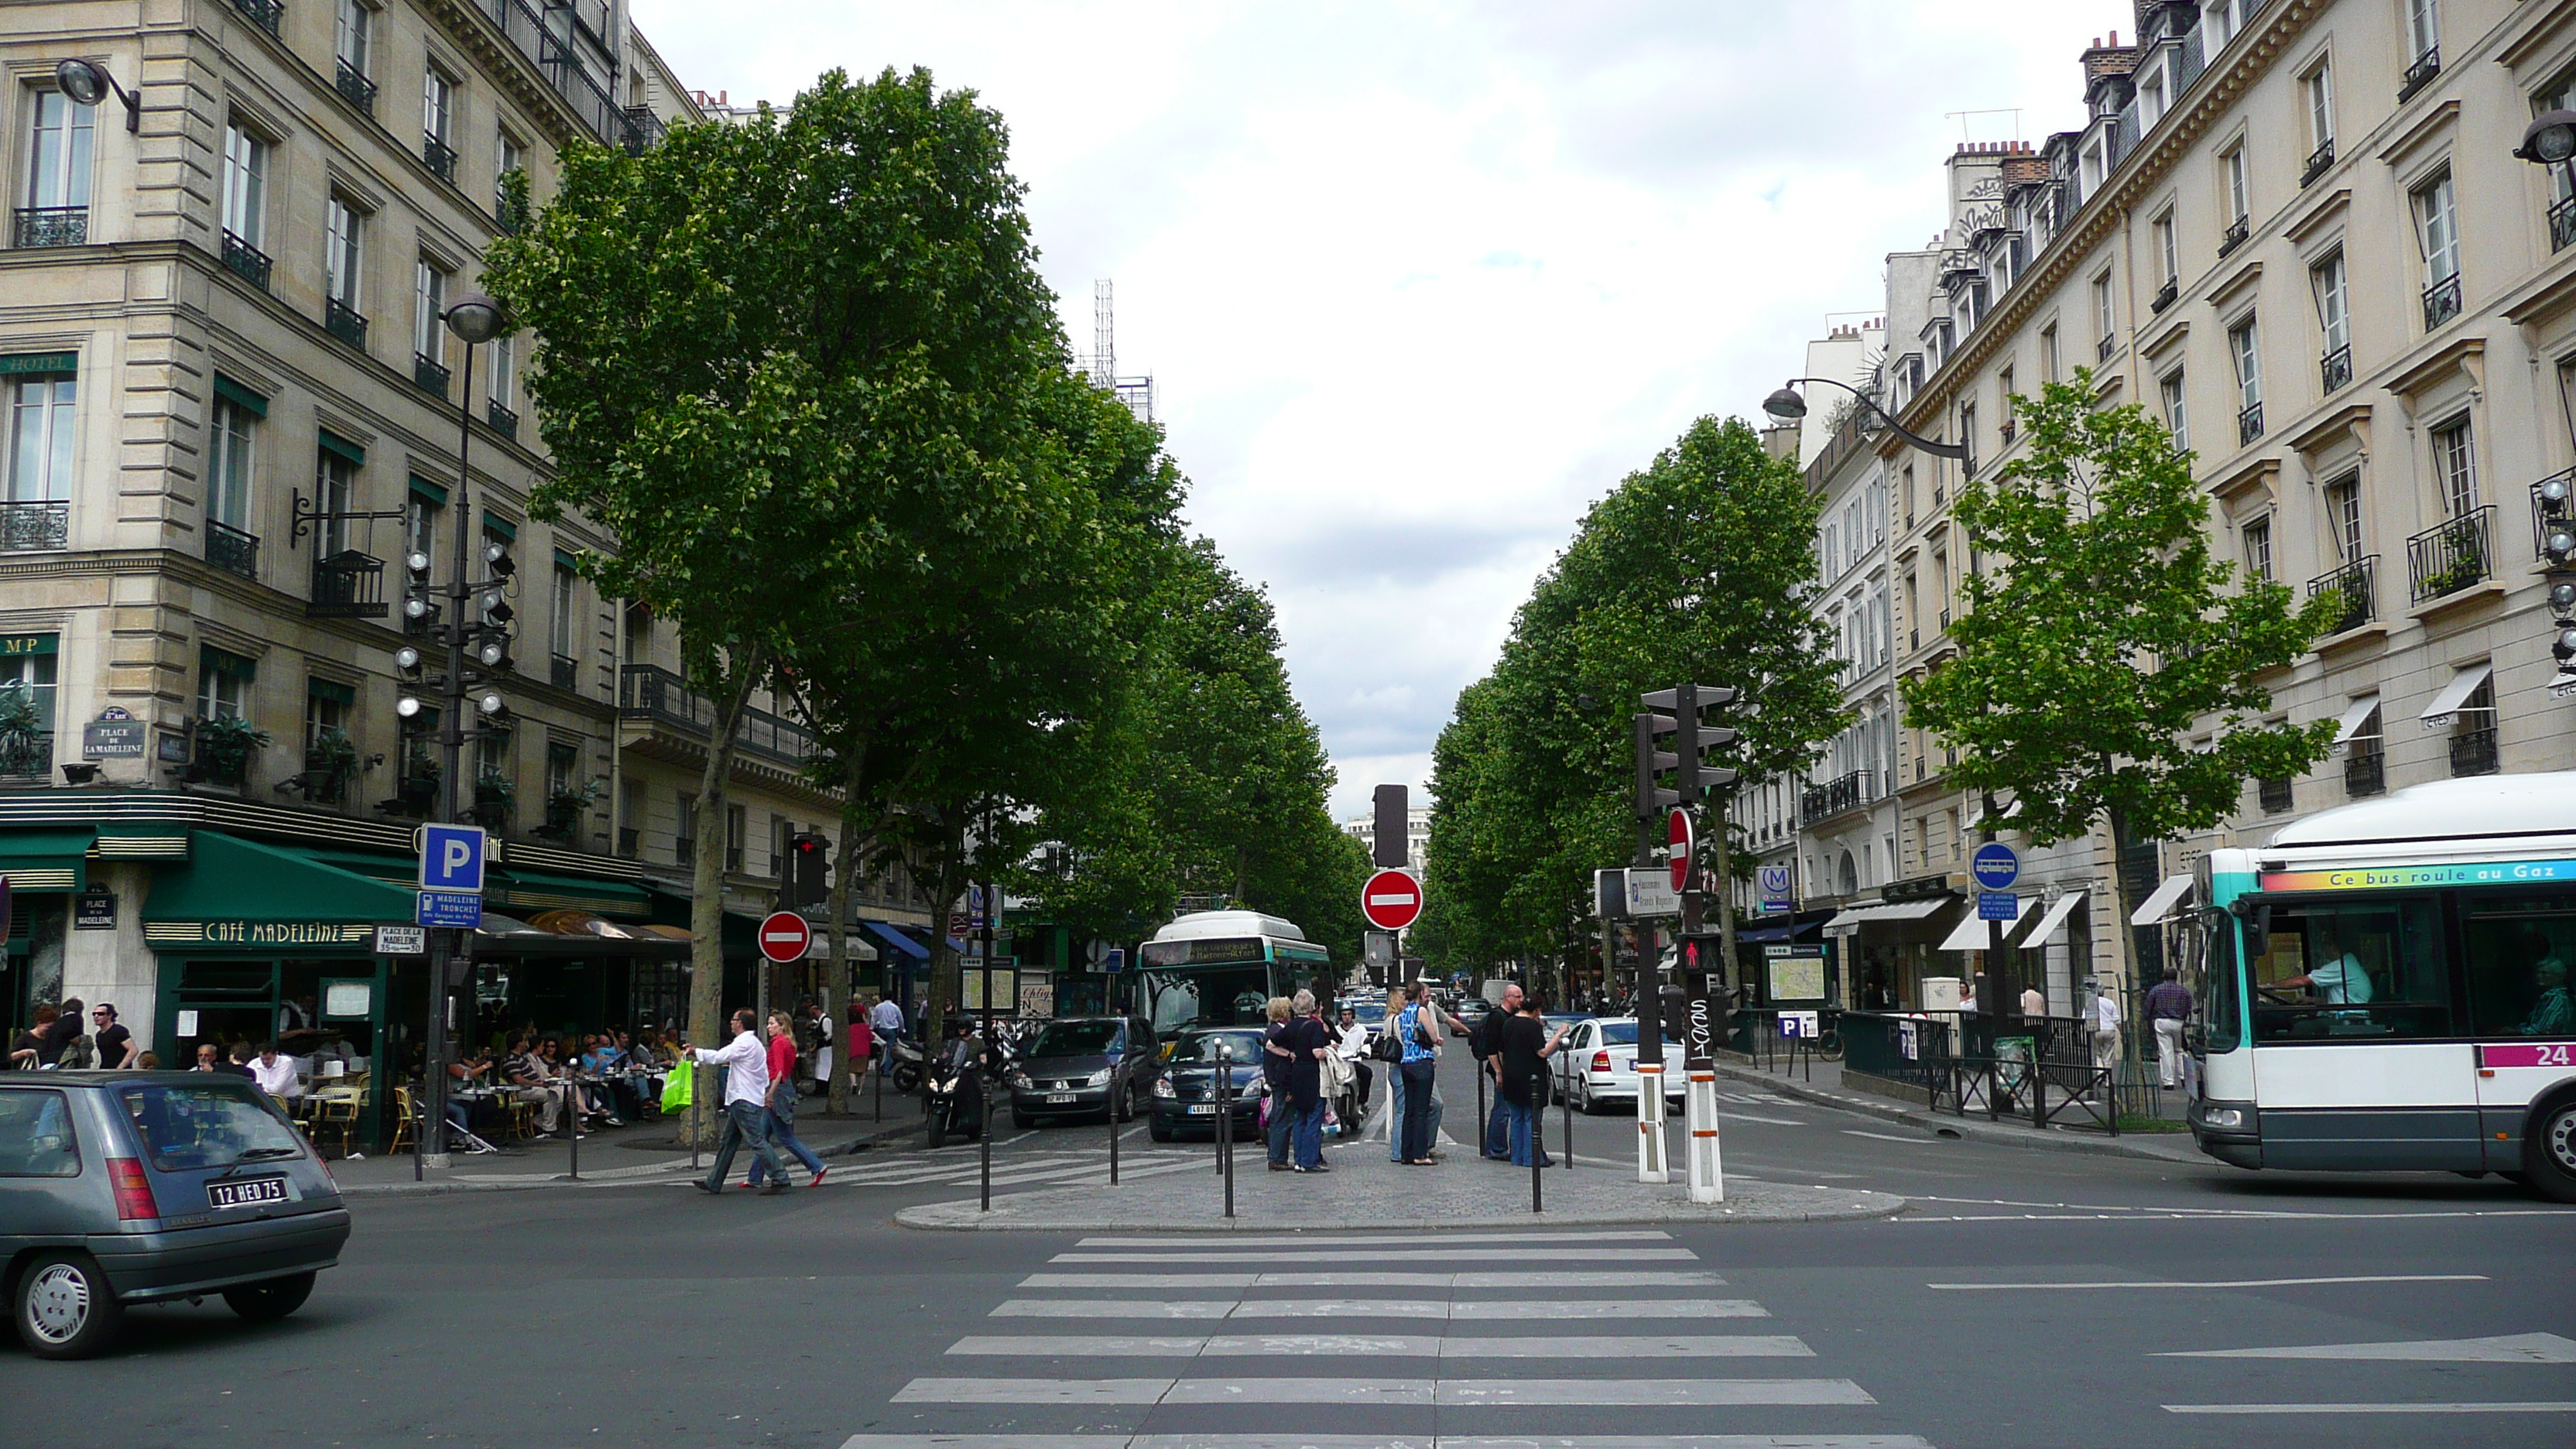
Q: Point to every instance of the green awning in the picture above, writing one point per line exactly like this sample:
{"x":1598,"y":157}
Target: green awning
{"x":500,"y":527}
{"x":523,"y":892}
{"x":142,"y":840}
{"x":399,"y":870}
{"x":433,"y":494}
{"x":225,"y":662}
{"x":240,"y":396}
{"x":46,"y":860}
{"x":332,"y":690}
{"x":235,"y":892}
{"x":333,"y":443}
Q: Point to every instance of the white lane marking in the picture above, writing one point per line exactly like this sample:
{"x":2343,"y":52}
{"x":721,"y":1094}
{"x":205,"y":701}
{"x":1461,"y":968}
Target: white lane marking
{"x":1555,"y":1393}
{"x":2090,"y":1211}
{"x":1400,"y":1255}
{"x":1640,"y":1279}
{"x":1297,"y":1345}
{"x":1098,"y":1308}
{"x":2506,"y":1348}
{"x":1354,"y":1240}
{"x":2233,"y":1283}
{"x":1445,"y":1393}
{"x":2535,"y":1407}
{"x":1886,"y":1136}
{"x":1766,"y":1121}
{"x":1382,"y":1441}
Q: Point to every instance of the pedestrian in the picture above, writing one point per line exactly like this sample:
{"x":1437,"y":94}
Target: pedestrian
{"x":238,"y":1064}
{"x":2032,"y":1003}
{"x":1395,"y":1005}
{"x":1354,"y":1050}
{"x":1485,"y":1041}
{"x":1522,"y":1048}
{"x":27,"y":1048}
{"x":115,"y":1047}
{"x":1308,"y":1043}
{"x":779,"y":1102}
{"x":1417,"y":1029}
{"x":818,"y":1024}
{"x":2168,"y":1007}
{"x":885,"y":1019}
{"x":207,"y":1057}
{"x":2106,"y":1026}
{"x":68,"y":1028}
{"x":746,"y":1092}
{"x":1275,"y":1056}
{"x":863,"y":1039}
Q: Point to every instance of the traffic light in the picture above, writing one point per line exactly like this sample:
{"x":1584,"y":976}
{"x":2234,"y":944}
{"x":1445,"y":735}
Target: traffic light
{"x":802,"y":882}
{"x":1652,"y":799}
{"x":1693,"y":737}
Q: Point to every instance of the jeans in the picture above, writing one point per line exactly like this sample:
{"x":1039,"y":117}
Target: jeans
{"x":1522,"y":1121}
{"x":1418,"y":1128}
{"x":1361,"y":1070}
{"x":1498,"y":1126}
{"x":1306,"y":1132}
{"x":1395,"y":1099}
{"x":782,"y":1136}
{"x":744,"y":1122}
{"x":1276,"y":1126}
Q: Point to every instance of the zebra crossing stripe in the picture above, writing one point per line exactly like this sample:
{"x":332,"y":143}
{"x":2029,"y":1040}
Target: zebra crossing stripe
{"x":1512,"y":1311}
{"x":1383,"y":1441}
{"x":1643,"y":1278}
{"x":1442,"y":1393}
{"x":1362,"y":1240}
{"x":1295,"y":1345}
{"x":1425,"y":1255}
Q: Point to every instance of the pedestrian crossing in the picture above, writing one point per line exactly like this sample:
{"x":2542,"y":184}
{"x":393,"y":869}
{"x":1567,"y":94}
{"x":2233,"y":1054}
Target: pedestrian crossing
{"x":1077,"y":1345}
{"x":1084,"y":1167}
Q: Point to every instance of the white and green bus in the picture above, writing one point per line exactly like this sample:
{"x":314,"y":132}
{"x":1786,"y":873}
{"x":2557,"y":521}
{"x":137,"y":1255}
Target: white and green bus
{"x":2383,"y":987}
{"x":1219,"y":968}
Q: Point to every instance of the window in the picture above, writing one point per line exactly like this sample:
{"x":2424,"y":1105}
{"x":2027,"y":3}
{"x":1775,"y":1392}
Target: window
{"x":437,"y":107}
{"x":429,"y":311}
{"x":2249,"y":380}
{"x":327,"y":706}
{"x":2177,"y":410}
{"x":228,"y":459}
{"x":2317,"y":88}
{"x":2437,"y":236}
{"x":335,"y":486}
{"x":2240,"y":205}
{"x":223,"y":685}
{"x":2258,"y":549}
{"x":2374,"y":970}
{"x":2423,"y":28}
{"x":2048,"y":353}
{"x":2455,"y":467}
{"x":2168,"y":252}
{"x":2092,"y":168}
{"x":353,"y":37}
{"x":630,"y":818}
{"x":684,"y":841}
{"x":563,"y":763}
{"x":503,"y":372}
{"x":560,"y":627}
{"x":2224,"y":18}
{"x":58,"y":163}
{"x":340,"y":255}
{"x":27,"y":671}
{"x":37,"y":1126}
{"x":245,"y":183}
{"x":420,"y":526}
{"x":2104,"y":321}
{"x":2343,"y":517}
{"x":42,"y":408}
{"x":1968,"y":435}
{"x":2334,"y":312}
{"x":2473,"y":732}
{"x":2151,"y":100}
{"x":2518,"y":948}
{"x":737,"y":822}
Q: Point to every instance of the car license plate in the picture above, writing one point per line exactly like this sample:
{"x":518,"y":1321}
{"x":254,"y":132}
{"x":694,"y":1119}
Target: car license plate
{"x":246,"y":1192}
{"x":1055,"y":1097}
{"x":1203,"y":1109}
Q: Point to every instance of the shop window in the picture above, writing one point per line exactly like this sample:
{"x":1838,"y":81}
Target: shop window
{"x":2518,"y":954}
{"x":2376,"y":971}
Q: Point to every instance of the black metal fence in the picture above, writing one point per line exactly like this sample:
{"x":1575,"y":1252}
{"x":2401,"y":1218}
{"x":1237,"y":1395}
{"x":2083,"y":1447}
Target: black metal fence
{"x":2043,"y":1070}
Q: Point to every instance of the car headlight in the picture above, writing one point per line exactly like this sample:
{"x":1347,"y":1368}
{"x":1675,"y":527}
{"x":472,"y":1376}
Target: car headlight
{"x":1020,"y":1080}
{"x":1261,"y":1087}
{"x":1097,"y":1079}
{"x":1163,"y":1087}
{"x":2223,"y":1118}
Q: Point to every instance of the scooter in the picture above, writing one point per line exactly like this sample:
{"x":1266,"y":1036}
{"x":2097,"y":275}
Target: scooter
{"x":956,"y":1105}
{"x":904,"y":1064}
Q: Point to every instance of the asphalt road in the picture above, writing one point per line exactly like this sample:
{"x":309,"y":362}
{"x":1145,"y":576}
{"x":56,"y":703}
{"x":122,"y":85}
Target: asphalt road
{"x":2029,"y":1298}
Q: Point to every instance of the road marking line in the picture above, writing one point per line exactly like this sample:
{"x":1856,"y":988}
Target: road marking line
{"x":1766,"y":1121}
{"x":1426,"y":1255}
{"x":1640,"y":1279}
{"x":1374,"y":1308}
{"x":2235,"y":1283}
{"x":1446,"y":1393}
{"x":2507,"y":1348}
{"x":1382,"y":1441}
{"x":1886,"y":1136}
{"x":1350,"y":1240}
{"x":2536,"y":1407}
{"x":1298,"y":1345}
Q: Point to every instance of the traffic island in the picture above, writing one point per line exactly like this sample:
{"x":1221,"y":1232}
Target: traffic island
{"x":1364,"y":1190}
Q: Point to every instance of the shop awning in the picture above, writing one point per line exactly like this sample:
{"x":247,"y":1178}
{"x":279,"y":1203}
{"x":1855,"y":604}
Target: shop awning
{"x":527,"y":890}
{"x":899,"y":940}
{"x":2355,"y":715}
{"x":46,"y":860}
{"x":2437,"y":715}
{"x":142,"y":840}
{"x":236,"y":892}
{"x":1972,"y":934}
{"x":2161,"y":904}
{"x":2047,"y":924}
{"x":1853,"y":918}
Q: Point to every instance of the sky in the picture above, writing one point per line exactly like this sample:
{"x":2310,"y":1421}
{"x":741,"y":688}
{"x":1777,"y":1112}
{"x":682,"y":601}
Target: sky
{"x":1417,"y":283}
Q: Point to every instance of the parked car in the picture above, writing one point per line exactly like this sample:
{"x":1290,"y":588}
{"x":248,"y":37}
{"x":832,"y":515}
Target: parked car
{"x":1083,"y":1065}
{"x":1597,"y":1068}
{"x":1473,"y":1011}
{"x":1185,"y":1089}
{"x":119,"y":1188}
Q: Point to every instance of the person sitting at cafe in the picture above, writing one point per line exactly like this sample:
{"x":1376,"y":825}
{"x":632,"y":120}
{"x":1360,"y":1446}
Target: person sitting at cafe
{"x":468,"y":1072}
{"x":275,"y":1075}
{"x":529,"y":1077}
{"x":209,"y":1057}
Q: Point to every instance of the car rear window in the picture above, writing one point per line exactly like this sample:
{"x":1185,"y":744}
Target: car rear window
{"x":216,"y":1125}
{"x":1624,"y":1033}
{"x":1075,"y":1039}
{"x":36,"y":1135}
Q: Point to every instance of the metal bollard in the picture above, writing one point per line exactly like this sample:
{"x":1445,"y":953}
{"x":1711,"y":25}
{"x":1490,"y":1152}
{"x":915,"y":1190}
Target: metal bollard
{"x":1651,"y":1165}
{"x":1225,"y":1123}
{"x":1113,"y":1135}
{"x":1484,"y":1121}
{"x":1565,"y":1104}
{"x":572,"y":1129}
{"x":984,"y":1145}
{"x":689,"y":1065}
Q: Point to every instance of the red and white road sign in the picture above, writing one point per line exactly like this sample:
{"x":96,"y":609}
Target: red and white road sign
{"x":1392,"y":900}
{"x":784,"y":936}
{"x":1677,"y":833}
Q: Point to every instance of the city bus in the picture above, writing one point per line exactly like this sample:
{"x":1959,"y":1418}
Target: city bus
{"x":2384,"y":987}
{"x":1219,"y":968}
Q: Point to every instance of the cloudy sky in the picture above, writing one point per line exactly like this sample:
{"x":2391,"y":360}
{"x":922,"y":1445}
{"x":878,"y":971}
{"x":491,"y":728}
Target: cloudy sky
{"x":1418,"y":282}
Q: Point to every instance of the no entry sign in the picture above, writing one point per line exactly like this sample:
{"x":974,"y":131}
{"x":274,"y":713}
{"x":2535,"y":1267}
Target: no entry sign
{"x":1677,"y":834}
{"x":1392,"y":900}
{"x":784,"y":936}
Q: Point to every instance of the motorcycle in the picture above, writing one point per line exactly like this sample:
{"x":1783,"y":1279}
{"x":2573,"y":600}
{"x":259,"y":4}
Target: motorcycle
{"x":904,"y":1064}
{"x":956,"y":1102}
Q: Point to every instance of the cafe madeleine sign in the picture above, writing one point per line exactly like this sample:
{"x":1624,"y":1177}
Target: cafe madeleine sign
{"x":260,"y":933}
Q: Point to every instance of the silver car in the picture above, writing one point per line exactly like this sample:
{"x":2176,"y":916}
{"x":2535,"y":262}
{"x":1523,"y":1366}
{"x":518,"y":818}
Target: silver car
{"x":1597,"y":1069}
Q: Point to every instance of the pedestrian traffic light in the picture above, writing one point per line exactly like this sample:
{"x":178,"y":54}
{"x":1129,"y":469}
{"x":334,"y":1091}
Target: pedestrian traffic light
{"x":803,"y":882}
{"x":1693,"y":738}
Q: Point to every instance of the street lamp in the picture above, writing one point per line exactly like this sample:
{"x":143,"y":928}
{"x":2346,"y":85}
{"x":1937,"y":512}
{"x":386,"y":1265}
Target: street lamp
{"x":2550,"y":139}
{"x":87,"y":83}
{"x":1788,"y":407}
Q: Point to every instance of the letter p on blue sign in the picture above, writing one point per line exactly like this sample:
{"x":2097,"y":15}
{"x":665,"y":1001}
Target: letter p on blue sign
{"x":451,"y":858}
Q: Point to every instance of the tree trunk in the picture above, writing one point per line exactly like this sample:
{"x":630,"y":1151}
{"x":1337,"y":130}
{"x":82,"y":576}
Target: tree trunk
{"x":945,"y":996}
{"x":706,"y":888}
{"x":836,"y":966}
{"x":2124,"y":962}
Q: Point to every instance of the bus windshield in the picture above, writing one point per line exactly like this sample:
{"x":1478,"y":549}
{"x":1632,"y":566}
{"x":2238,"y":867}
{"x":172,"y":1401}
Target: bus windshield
{"x":1200,"y":1046}
{"x":1206,"y":996}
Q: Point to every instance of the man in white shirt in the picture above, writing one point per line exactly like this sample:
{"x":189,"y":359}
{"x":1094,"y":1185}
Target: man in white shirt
{"x":2106,"y":1027}
{"x":275,"y":1074}
{"x":746,"y":1094}
{"x":2032,"y":1003}
{"x":885,"y":1020}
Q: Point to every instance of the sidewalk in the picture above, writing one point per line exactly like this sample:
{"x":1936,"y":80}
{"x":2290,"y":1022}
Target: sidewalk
{"x":637,"y":1155}
{"x":1827,"y":1089}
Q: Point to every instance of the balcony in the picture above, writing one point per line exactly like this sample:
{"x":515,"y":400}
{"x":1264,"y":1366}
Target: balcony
{"x":503,"y":420}
{"x":356,"y":89}
{"x":2237,"y":231}
{"x":266,"y":14}
{"x":2365,"y":774}
{"x":2165,"y":295}
{"x":348,"y":585}
{"x":2274,"y":795}
{"x":429,"y":374}
{"x":553,"y":38}
{"x":1945,"y":616}
{"x":650,"y":692}
{"x":2008,"y":430}
{"x":2334,"y":370}
{"x":50,"y":226}
{"x":2473,"y":752}
{"x":563,"y":671}
{"x":2562,"y":224}
{"x":630,"y":842}
{"x":1850,"y":792}
{"x":2441,"y":301}
{"x":28,"y":526}
{"x":439,"y":157}
{"x":230,"y":549}
{"x":2320,"y":161}
{"x":2249,"y":423}
{"x":2455,"y":554}
{"x":2354,"y":581}
{"x":342,"y":321}
{"x":2109,"y":343}
{"x":2420,"y":74}
{"x":246,"y":261}
{"x":642,"y":129}
{"x":29,"y":755}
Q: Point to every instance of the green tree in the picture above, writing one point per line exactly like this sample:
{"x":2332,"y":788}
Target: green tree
{"x":2102,"y":633}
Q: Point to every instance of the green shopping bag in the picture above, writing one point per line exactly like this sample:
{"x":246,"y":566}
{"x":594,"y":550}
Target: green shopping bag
{"x":676,"y":1088}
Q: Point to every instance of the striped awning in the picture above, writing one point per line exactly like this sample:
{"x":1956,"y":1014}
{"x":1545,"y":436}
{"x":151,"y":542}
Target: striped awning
{"x":46,"y":860}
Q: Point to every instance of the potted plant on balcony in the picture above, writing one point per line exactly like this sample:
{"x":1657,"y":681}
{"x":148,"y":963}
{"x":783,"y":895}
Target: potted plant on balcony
{"x":564,"y":808}
{"x":226,"y":745}
{"x":2465,"y":557}
{"x":329,"y":765}
{"x":23,"y":747}
{"x":495,"y":794}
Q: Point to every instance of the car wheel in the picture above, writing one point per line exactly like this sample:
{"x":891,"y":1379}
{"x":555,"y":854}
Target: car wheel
{"x":2549,"y":1149}
{"x":1157,"y":1131}
{"x":1022,"y":1120}
{"x":65,"y":1308}
{"x":272,"y":1298}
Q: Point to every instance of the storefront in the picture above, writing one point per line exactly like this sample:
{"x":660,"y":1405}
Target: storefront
{"x":1883,"y":949}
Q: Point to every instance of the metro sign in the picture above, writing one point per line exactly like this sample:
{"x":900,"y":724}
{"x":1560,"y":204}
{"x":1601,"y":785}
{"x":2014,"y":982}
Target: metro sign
{"x":1392,"y":900}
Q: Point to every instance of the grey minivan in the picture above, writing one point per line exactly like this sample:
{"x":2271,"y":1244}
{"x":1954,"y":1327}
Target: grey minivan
{"x":1081,"y":1065}
{"x":119,"y":1188}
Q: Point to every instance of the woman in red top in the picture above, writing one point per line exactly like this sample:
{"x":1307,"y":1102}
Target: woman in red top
{"x":781,"y":1102}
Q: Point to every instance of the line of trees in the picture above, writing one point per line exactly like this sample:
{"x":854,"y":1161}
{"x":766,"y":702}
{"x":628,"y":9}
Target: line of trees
{"x":806,"y":371}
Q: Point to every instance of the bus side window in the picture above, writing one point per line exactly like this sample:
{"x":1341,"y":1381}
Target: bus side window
{"x":2360,"y":970}
{"x":2220,"y":1017}
{"x":2519,"y":952}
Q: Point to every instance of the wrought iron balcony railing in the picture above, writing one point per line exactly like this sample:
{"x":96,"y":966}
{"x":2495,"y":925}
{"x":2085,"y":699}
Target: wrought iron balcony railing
{"x":266,"y":14}
{"x":2334,"y":370}
{"x":2249,"y":423}
{"x":50,"y":226}
{"x":2165,"y":295}
{"x":2320,"y":161}
{"x":2562,"y":224}
{"x":2454,"y":554}
{"x":1848,"y":792}
{"x":2365,"y":774}
{"x":545,"y":35}
{"x":2441,"y":301}
{"x":503,"y":420}
{"x":28,"y":755}
{"x":430,"y":374}
{"x":230,"y":549}
{"x":2109,"y":343}
{"x":28,"y":526}
{"x":343,"y":322}
{"x":246,"y":261}
{"x":348,"y":585}
{"x":2355,"y":582}
{"x":2237,"y":231}
{"x":357,"y":89}
{"x":563,"y":671}
{"x":2274,"y":795}
{"x":439,"y":157}
{"x":2420,"y":74}
{"x":2473,"y":752}
{"x":648,"y":691}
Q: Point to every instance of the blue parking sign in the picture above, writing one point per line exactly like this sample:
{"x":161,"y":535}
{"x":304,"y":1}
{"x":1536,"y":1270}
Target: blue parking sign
{"x":451,"y":858}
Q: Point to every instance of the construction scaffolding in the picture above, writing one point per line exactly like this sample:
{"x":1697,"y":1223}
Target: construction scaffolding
{"x":1102,"y":365}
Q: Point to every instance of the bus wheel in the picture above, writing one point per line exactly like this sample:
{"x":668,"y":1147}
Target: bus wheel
{"x":2549,"y":1148}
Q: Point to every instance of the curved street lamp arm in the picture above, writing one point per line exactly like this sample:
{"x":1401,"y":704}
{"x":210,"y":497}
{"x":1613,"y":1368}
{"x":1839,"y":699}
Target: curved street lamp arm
{"x":1955,"y":451}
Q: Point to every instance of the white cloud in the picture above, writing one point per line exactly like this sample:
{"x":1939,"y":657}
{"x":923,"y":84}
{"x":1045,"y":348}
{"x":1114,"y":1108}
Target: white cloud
{"x":1418,"y":282}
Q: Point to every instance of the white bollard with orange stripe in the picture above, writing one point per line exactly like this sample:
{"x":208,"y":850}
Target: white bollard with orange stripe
{"x":1704,"y":1168}
{"x":1650,"y":1125}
